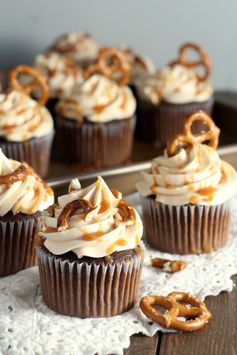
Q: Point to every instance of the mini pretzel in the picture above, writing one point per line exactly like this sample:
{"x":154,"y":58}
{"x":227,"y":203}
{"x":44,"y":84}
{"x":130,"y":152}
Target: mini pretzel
{"x":204,"y":59}
{"x":111,"y":61}
{"x":68,"y":211}
{"x":188,"y":139}
{"x":17,"y":175}
{"x":171,"y":266}
{"x":38,"y":81}
{"x":195,"y":309}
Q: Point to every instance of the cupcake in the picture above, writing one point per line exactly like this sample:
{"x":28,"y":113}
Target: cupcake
{"x":141,"y":67}
{"x":173,"y":93}
{"x":61,"y":74}
{"x":186,"y":195}
{"x":80,"y":46}
{"x":90,"y":260}
{"x":96,"y":122}
{"x":23,"y":195}
{"x":26,"y":126}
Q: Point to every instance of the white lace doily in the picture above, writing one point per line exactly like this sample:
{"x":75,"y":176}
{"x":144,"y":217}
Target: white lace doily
{"x":27,"y":326}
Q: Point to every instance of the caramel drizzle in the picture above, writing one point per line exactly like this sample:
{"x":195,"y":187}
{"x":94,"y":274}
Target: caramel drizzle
{"x":112,"y":247}
{"x":17,"y":175}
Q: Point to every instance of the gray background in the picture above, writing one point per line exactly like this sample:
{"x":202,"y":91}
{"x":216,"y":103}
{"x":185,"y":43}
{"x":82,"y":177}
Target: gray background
{"x":155,"y":28}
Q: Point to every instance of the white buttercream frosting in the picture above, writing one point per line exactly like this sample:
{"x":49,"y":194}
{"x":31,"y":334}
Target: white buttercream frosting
{"x":80,"y":46}
{"x":175,"y":84}
{"x":98,"y":99}
{"x":22,"y":118}
{"x":198,"y":177}
{"x":61,"y":73}
{"x":27,"y":196}
{"x":97,"y":233}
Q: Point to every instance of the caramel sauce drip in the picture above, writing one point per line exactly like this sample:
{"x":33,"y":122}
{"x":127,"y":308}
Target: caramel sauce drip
{"x":116,"y":193}
{"x":92,"y":236}
{"x":17,"y":175}
{"x":193,"y":199}
{"x":224,"y":178}
{"x":207,"y":191}
{"x":112,"y":247}
{"x":153,"y":189}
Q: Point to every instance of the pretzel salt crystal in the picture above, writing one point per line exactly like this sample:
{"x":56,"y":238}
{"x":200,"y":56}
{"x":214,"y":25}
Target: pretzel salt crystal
{"x":203,"y":60}
{"x":187,"y":138}
{"x":194,"y":309}
{"x":68,"y":211}
{"x":37,"y":82}
{"x":111,"y":61}
{"x":171,"y":266}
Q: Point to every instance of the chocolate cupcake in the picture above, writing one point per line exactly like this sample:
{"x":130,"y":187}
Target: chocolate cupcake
{"x":61,"y":74}
{"x":167,"y":98}
{"x":26,"y":126}
{"x":23,"y":195}
{"x":96,"y":123}
{"x":186,"y":195}
{"x":79,"y":46}
{"x":91,"y":259}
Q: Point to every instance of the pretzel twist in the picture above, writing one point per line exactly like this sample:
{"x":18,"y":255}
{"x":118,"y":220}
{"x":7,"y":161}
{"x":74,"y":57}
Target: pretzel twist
{"x":188,"y":139}
{"x":68,"y":211}
{"x":38,"y":81}
{"x":170,"y":266}
{"x":203,"y":60}
{"x":194,"y":309}
{"x":110,"y":62}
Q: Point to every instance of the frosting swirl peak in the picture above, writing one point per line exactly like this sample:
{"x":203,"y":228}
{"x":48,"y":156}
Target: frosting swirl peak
{"x":109,"y":224}
{"x":21,"y":189}
{"x":196,"y":176}
{"x":98,"y":99}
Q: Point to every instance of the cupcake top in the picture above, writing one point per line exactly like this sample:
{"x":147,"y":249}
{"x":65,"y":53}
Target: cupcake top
{"x":98,"y":99}
{"x":93,"y":222}
{"x":21,"y":189}
{"x":60,"y":72}
{"x":21,"y":117}
{"x":190,"y":172}
{"x":181,"y":81}
{"x":141,"y":66}
{"x":79,"y":46}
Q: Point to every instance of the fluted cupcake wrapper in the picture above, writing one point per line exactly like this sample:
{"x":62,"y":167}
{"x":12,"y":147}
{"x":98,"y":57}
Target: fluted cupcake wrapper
{"x":189,"y":229}
{"x":94,"y":144}
{"x":161,"y":123}
{"x":36,"y":152}
{"x":84,"y":289}
{"x":17,"y":242}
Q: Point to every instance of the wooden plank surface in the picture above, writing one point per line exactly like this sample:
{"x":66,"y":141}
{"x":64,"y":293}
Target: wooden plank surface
{"x":142,"y":345}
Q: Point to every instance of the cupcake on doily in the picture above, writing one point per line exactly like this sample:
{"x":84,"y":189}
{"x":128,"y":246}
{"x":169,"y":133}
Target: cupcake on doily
{"x":26,"y":126}
{"x":166,"y":98}
{"x":91,"y":259}
{"x":78,"y":45}
{"x":23,"y":195}
{"x":61,"y":74}
{"x":187,"y":193}
{"x":96,"y":122}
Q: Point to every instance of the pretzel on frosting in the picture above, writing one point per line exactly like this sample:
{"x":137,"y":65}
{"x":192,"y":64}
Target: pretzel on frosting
{"x":69,"y":209}
{"x":110,"y":62}
{"x":188,"y":139}
{"x":195,"y":309}
{"x":203,"y":60}
{"x":170,"y":266}
{"x":38,"y":82}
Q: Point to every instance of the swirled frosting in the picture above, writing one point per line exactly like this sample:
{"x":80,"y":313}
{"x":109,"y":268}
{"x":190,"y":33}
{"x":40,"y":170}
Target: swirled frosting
{"x":61,"y":73}
{"x":21,"y":118}
{"x":98,"y":99}
{"x":79,"y":46}
{"x":110,"y":225}
{"x":28,"y":195}
{"x":198,"y":177}
{"x":141,"y":66}
{"x":174,"y":84}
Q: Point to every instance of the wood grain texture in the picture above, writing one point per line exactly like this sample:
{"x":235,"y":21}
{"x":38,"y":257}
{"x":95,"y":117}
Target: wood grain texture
{"x":142,"y":345}
{"x":217,"y":338}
